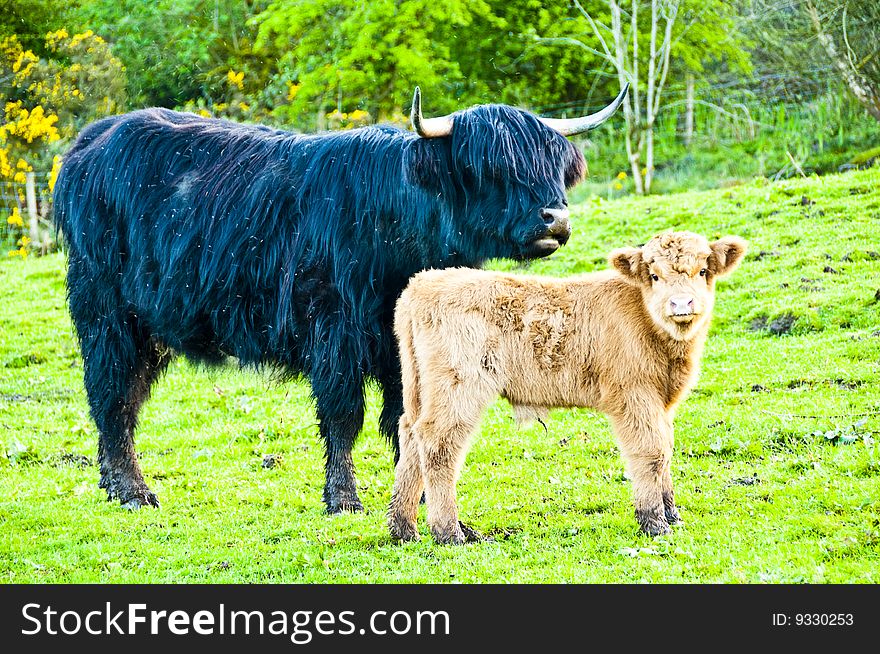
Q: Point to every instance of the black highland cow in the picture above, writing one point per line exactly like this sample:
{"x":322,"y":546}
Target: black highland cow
{"x":209,"y":239}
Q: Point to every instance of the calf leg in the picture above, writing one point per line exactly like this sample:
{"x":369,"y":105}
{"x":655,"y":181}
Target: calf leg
{"x":443,"y":441}
{"x":669,"y":508}
{"x":408,"y":485}
{"x":644,"y":433}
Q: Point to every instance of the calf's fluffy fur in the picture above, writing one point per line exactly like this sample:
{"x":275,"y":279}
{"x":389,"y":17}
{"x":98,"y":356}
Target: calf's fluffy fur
{"x":625,"y":341}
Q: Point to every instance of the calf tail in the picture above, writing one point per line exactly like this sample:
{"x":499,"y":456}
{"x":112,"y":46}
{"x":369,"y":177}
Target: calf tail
{"x":409,"y":375}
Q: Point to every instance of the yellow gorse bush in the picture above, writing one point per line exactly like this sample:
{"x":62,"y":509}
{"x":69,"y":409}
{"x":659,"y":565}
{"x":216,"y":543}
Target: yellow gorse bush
{"x":29,"y":125}
{"x":53,"y":176}
{"x":236,"y":79}
{"x":44,"y":101}
{"x":15,"y":219}
{"x":22,"y":250}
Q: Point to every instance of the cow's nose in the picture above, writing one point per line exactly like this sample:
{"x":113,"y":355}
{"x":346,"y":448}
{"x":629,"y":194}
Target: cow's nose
{"x":681,"y":305}
{"x":558,"y":225}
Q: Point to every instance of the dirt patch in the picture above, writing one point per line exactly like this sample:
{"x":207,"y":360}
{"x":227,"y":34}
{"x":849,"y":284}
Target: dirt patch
{"x":745,"y":481}
{"x":810,"y":285}
{"x":503,"y":533}
{"x":861,"y":255}
{"x":271,"y":461}
{"x":765,"y":253}
{"x":779,"y":326}
{"x":25,"y":360}
{"x":75,"y":460}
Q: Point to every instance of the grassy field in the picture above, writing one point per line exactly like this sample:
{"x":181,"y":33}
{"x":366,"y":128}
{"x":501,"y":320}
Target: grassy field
{"x":777,"y":472}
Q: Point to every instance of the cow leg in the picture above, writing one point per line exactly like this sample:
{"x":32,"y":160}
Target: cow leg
{"x":341,"y":416}
{"x":120,"y":365}
{"x":645,"y":437}
{"x":408,"y":485}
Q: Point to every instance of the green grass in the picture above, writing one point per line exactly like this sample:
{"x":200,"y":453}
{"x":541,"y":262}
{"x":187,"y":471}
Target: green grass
{"x":776,"y":469}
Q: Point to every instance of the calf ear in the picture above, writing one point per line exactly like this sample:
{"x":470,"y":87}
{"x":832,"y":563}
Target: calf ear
{"x":726,"y":254}
{"x":627,"y":261}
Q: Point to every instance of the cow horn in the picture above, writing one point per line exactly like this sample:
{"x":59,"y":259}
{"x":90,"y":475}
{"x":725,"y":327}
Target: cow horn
{"x":572,"y":126}
{"x":428,"y":127}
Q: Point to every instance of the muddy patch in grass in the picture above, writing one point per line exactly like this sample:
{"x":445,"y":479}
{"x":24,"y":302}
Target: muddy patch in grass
{"x":745,"y":481}
{"x":778,"y":326}
{"x":73,"y":460}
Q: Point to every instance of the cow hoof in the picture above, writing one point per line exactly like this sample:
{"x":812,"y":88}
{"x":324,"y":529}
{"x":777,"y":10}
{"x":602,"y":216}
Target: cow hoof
{"x":344,"y":506}
{"x":134,"y":500}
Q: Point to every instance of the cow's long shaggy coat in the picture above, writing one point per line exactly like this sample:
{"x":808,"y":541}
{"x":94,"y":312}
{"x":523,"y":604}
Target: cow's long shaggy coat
{"x":212,"y":239}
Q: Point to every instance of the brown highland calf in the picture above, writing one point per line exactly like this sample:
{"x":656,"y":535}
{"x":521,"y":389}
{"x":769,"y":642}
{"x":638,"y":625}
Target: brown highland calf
{"x":626,"y":342}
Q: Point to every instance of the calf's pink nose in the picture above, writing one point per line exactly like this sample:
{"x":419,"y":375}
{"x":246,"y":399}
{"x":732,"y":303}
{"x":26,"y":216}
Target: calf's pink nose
{"x":681,"y":305}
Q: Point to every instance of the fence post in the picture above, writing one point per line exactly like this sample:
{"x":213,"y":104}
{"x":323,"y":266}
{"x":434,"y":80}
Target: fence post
{"x":33,"y":213}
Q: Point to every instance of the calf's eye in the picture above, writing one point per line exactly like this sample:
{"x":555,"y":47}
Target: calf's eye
{"x":703,"y":272}
{"x":655,"y":277}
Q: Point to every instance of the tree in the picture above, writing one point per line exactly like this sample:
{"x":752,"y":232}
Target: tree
{"x":178,"y":50}
{"x":344,"y":55}
{"x":640,"y":42}
{"x":849,"y":32}
{"x":504,"y":60}
{"x":30,"y":20}
{"x":45,"y":100}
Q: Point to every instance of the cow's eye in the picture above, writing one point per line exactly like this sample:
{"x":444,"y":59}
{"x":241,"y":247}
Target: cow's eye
{"x":703,"y":272}
{"x":655,"y":277}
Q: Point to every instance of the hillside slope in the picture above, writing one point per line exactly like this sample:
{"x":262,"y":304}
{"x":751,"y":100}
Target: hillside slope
{"x":776,"y":466}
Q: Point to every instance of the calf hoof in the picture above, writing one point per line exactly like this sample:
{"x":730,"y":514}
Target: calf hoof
{"x":670,"y":510}
{"x":653,"y":522}
{"x":402,"y":530}
{"x":672,"y":516}
{"x":471,"y":535}
{"x":458,"y":535}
